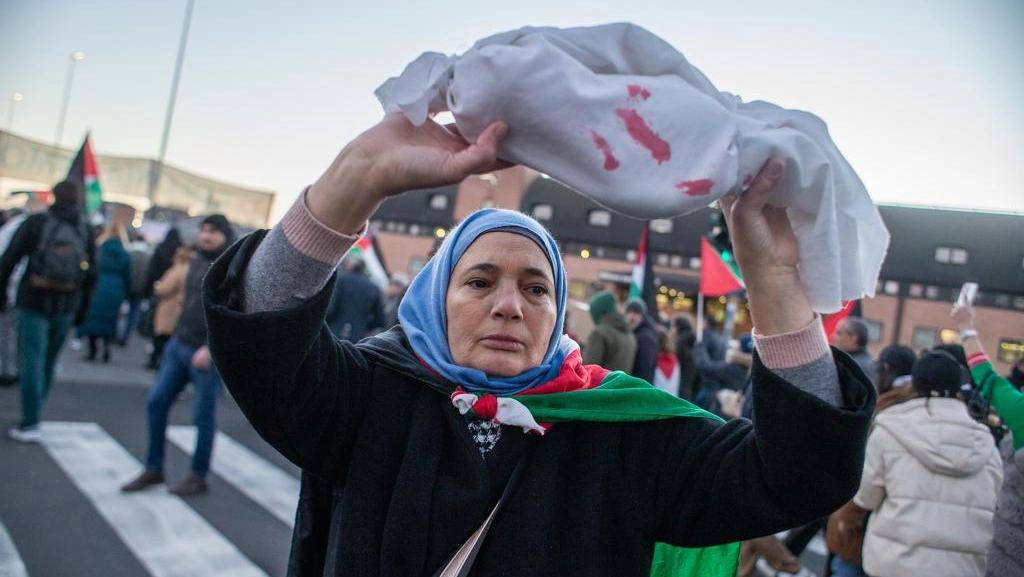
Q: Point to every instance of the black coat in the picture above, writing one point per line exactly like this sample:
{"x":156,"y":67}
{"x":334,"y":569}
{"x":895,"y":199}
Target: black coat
{"x":393,"y":482}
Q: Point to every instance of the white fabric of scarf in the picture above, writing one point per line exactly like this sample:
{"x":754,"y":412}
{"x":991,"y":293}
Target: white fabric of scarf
{"x":619,"y":115}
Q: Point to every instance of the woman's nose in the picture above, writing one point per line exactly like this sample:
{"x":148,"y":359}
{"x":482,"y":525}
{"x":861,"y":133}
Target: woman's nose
{"x":507,"y":303}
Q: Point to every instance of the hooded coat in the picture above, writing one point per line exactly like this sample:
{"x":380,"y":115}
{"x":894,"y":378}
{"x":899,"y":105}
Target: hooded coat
{"x":931,"y":478}
{"x":611,"y":344}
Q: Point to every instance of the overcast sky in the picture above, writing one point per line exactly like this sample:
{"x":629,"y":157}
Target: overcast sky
{"x":923,"y":97}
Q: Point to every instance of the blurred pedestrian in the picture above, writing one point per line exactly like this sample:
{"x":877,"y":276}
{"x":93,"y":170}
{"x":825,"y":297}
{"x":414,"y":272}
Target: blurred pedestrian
{"x":138,"y":292}
{"x":929,"y":468}
{"x":611,"y":343}
{"x":666,"y":376}
{"x":1006,"y":555}
{"x":397,"y":286}
{"x":187,"y":359}
{"x":685,"y":340}
{"x":115,"y":279}
{"x":356,"y":308}
{"x":645,"y":363}
{"x":851,"y":337}
{"x":8,"y":321}
{"x":52,"y":295}
{"x":170,"y":294}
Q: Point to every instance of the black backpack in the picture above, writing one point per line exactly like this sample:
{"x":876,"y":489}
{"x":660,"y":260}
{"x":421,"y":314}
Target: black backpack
{"x":61,"y":260}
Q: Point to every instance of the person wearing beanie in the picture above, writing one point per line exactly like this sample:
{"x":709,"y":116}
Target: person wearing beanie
{"x":186,"y":358}
{"x":47,"y":307}
{"x":929,"y":467}
{"x":645,"y":363}
{"x":611,"y":344}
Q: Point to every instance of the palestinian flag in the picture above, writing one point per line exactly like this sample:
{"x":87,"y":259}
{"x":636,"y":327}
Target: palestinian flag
{"x":83,"y":169}
{"x":831,"y":321}
{"x":591,"y":393}
{"x":365,"y":249}
{"x":638,"y":283}
{"x":719,"y":274}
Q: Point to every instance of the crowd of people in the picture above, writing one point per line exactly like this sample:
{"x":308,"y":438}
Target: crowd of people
{"x":449,"y":424}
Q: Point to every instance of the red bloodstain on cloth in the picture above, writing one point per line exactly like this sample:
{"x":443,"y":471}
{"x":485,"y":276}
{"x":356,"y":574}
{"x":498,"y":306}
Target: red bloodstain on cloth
{"x":696,"y":187}
{"x":637,"y":127}
{"x":610,"y":162}
{"x":637,"y":91}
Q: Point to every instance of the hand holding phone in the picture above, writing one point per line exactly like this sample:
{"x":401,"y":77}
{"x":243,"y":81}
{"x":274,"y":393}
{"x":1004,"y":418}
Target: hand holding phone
{"x":967,"y":293}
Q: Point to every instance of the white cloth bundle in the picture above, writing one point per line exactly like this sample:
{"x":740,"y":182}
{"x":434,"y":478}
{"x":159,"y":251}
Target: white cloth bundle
{"x":620,"y":116}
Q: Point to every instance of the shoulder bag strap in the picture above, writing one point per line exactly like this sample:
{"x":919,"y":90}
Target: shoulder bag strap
{"x":461,"y":561}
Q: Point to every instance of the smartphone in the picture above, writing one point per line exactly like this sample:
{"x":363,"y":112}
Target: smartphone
{"x":967,"y":294}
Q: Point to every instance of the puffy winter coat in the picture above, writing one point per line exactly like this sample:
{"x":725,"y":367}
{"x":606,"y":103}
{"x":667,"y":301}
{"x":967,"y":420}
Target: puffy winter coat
{"x":931,"y":478}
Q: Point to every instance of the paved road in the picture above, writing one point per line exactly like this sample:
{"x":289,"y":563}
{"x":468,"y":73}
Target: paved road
{"x":61,"y":511}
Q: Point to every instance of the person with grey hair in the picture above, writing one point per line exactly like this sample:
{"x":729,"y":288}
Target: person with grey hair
{"x":851,"y":336}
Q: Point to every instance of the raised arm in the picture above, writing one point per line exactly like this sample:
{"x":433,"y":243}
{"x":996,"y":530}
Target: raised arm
{"x":1006,"y":398}
{"x":787,"y":333}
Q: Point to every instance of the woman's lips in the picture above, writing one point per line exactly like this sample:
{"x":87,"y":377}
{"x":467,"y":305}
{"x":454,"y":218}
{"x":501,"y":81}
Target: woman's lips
{"x":502,"y":342}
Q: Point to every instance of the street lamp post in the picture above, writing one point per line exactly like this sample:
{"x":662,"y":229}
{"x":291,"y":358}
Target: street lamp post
{"x":76,"y":56}
{"x":156,"y":166}
{"x":15,"y":99}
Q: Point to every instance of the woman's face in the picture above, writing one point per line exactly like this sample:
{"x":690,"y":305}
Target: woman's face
{"x":501,"y":305}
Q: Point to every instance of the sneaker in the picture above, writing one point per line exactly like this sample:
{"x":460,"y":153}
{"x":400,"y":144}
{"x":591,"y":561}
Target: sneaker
{"x":192,"y":485}
{"x":27,"y":435}
{"x":147,"y":479}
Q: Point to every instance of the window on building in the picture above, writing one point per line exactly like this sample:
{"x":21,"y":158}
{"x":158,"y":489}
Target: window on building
{"x":1010,"y":350}
{"x":676,"y":261}
{"x":916,"y":290}
{"x":950,"y":255}
{"x":662,"y":226}
{"x":438,"y":202}
{"x":892,"y":287}
{"x":924,"y":338}
{"x":542,"y":211}
{"x":874,"y":330}
{"x":599,"y":218}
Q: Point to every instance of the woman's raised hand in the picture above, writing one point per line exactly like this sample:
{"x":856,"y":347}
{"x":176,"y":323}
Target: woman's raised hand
{"x":393,"y":157}
{"x":766,"y":251}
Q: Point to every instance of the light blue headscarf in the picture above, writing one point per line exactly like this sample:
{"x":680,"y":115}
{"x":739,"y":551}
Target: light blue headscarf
{"x":422,"y":311}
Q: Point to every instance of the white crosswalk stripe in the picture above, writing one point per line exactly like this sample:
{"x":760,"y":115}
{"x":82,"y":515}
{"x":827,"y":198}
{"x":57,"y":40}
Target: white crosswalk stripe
{"x":11,"y":564}
{"x":164,"y":533}
{"x":257,"y":478}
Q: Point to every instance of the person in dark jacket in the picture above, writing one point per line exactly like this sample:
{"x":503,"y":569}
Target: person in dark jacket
{"x":408,"y":440}
{"x":645,"y":362}
{"x":45,"y":314}
{"x":187,"y":358}
{"x":689,"y":373}
{"x":356,"y":308}
{"x":115,"y":279}
{"x":611,"y":343}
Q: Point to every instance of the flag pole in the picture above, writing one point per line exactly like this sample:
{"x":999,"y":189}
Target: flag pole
{"x":700,"y":317}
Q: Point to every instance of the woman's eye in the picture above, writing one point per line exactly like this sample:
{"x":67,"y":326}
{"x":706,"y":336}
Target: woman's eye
{"x":538,"y":290}
{"x":477,"y":283}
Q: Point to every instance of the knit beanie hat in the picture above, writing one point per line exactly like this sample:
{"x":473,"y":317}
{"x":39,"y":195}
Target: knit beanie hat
{"x":936,"y":374}
{"x":601,"y":304}
{"x":636,"y":305}
{"x":220,"y":222}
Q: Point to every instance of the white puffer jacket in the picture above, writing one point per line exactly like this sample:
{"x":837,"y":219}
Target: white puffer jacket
{"x":931,"y":477}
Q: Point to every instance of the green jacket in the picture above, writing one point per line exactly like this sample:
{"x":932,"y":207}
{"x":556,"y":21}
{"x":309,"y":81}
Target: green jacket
{"x":611,"y":344}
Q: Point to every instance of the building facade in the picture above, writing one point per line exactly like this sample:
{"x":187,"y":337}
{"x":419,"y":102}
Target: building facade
{"x":932,"y":253}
